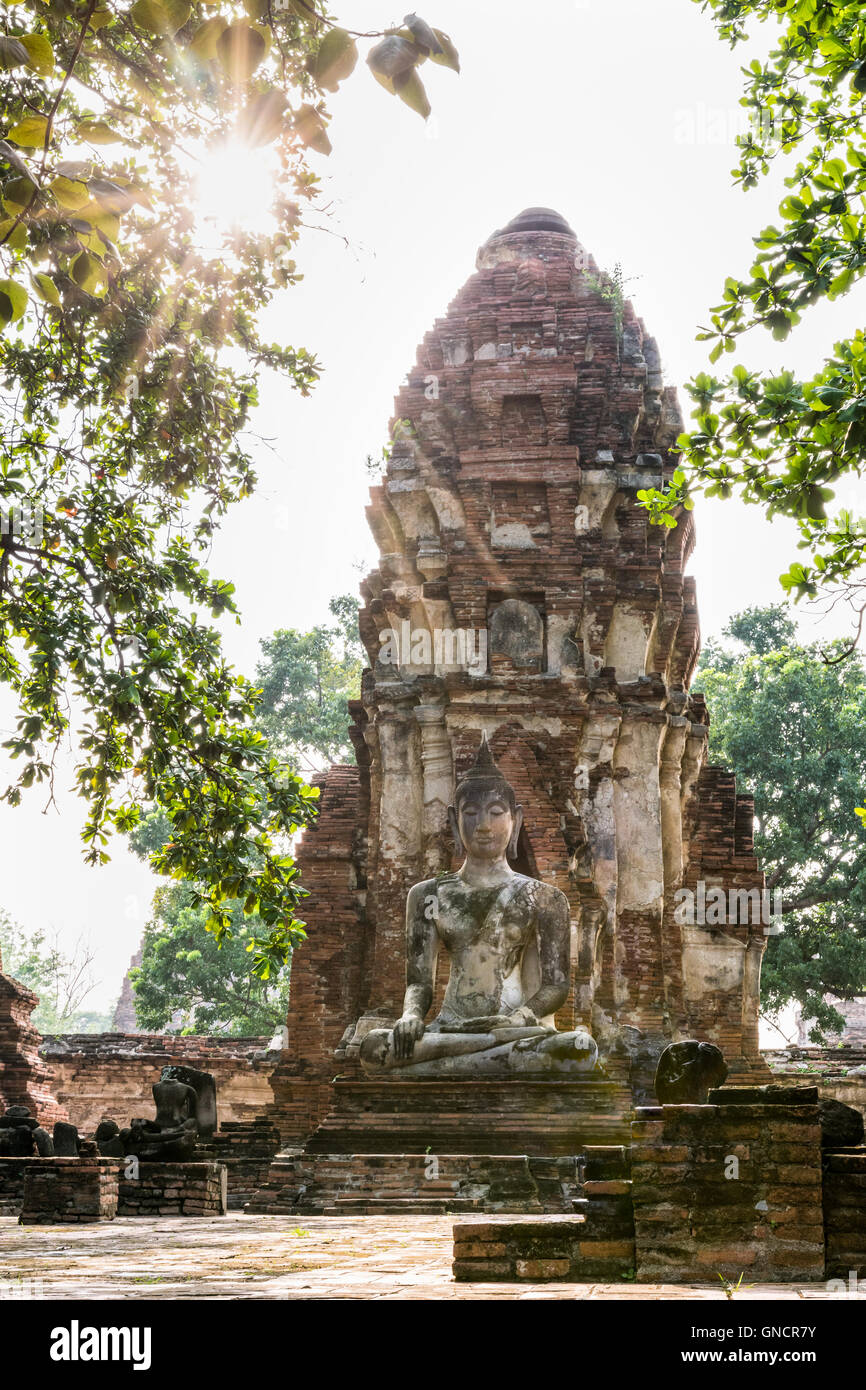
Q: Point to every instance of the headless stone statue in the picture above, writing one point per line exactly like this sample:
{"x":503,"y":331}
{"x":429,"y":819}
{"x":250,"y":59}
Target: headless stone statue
{"x":507,"y":938}
{"x":21,"y":1136}
{"x":108,"y":1139}
{"x":687,"y":1071}
{"x":67,"y":1141}
{"x":185,"y":1102}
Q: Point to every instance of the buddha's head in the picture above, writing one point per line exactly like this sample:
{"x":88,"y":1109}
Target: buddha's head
{"x":485,"y":818}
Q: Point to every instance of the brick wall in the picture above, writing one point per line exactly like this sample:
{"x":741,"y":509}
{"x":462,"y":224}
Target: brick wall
{"x":99,"y":1076}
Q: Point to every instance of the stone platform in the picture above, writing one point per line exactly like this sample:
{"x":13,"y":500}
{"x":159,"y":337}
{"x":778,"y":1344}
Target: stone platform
{"x":446,"y":1145}
{"x":543,"y":1118}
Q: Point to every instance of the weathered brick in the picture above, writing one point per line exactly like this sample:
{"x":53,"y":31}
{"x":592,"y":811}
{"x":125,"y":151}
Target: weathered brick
{"x":543,"y":1269}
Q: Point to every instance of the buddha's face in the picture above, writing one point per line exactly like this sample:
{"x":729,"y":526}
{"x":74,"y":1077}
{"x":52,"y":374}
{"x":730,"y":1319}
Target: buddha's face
{"x":486,"y":823}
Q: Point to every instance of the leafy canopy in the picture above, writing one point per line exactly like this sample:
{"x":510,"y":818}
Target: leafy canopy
{"x":188,"y":983}
{"x":791,"y":726}
{"x":774,"y":440}
{"x":307,"y":680}
{"x":129,"y":359}
{"x":184,"y":979}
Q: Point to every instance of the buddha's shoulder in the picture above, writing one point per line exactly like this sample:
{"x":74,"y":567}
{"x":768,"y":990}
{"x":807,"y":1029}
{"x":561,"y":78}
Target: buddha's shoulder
{"x":543,"y":894}
{"x":428,"y":887}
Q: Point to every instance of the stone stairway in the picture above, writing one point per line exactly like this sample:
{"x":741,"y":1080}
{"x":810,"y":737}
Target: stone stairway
{"x":427,"y":1184}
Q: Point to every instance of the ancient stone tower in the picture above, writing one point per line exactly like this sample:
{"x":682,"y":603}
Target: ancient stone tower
{"x":522,"y":591}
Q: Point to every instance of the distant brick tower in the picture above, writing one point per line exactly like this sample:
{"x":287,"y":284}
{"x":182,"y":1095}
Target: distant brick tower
{"x":124,"y":1019}
{"x":522,"y":592}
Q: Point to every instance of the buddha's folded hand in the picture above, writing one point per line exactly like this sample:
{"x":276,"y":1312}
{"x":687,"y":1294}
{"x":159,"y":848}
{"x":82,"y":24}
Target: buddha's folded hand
{"x":522,"y":1018}
{"x":407,"y":1031}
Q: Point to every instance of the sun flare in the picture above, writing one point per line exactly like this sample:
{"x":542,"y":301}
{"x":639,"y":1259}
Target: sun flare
{"x":234,"y":187}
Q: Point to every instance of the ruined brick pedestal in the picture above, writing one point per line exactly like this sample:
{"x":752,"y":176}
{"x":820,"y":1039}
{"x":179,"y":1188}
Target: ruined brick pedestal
{"x":175,"y":1189}
{"x":12,"y":1184}
{"x":731,"y":1188}
{"x":595,"y":1242}
{"x":490,"y":1142}
{"x":60,"y":1191}
{"x":473,"y":1117}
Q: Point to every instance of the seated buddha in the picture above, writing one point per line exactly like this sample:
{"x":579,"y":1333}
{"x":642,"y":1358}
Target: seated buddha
{"x":506,"y":938}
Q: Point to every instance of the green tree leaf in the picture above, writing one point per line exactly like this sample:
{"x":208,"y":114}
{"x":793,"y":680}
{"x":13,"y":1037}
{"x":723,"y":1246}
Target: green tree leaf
{"x":98,"y":132}
{"x":448,"y":56}
{"x":13,"y":54}
{"x":334,"y":59}
{"x":240,"y":48}
{"x":29,"y":133}
{"x":13,"y":300}
{"x":45,"y":288}
{"x":40,"y":54}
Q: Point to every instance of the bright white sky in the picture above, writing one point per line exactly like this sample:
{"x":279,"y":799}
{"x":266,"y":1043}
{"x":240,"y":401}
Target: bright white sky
{"x":621,"y":114}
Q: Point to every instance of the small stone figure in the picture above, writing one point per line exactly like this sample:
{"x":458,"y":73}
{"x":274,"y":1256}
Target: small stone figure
{"x":185,"y":1102}
{"x":23,"y":1137}
{"x":687,"y":1071}
{"x":507,"y":939}
{"x":108,"y":1139}
{"x":67,"y":1143}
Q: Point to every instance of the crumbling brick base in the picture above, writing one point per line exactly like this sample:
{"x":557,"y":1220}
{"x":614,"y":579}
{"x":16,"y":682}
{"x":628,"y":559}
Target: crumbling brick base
{"x":731,"y":1188}
{"x":247,"y":1150}
{"x":59,"y":1191}
{"x":175,"y":1189}
{"x":363,"y":1184}
{"x":570,"y":1249}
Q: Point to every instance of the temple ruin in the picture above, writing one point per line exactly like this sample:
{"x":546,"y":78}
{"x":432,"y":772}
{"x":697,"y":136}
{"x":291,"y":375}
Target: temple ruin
{"x":532,"y":640}
{"x":508,"y":520}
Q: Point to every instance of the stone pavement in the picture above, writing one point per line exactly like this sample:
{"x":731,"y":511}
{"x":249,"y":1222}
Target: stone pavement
{"x":269,"y":1257}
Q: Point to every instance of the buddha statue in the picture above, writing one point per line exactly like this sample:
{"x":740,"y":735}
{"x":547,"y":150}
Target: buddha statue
{"x":507,"y":940}
{"x":185,"y":1102}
